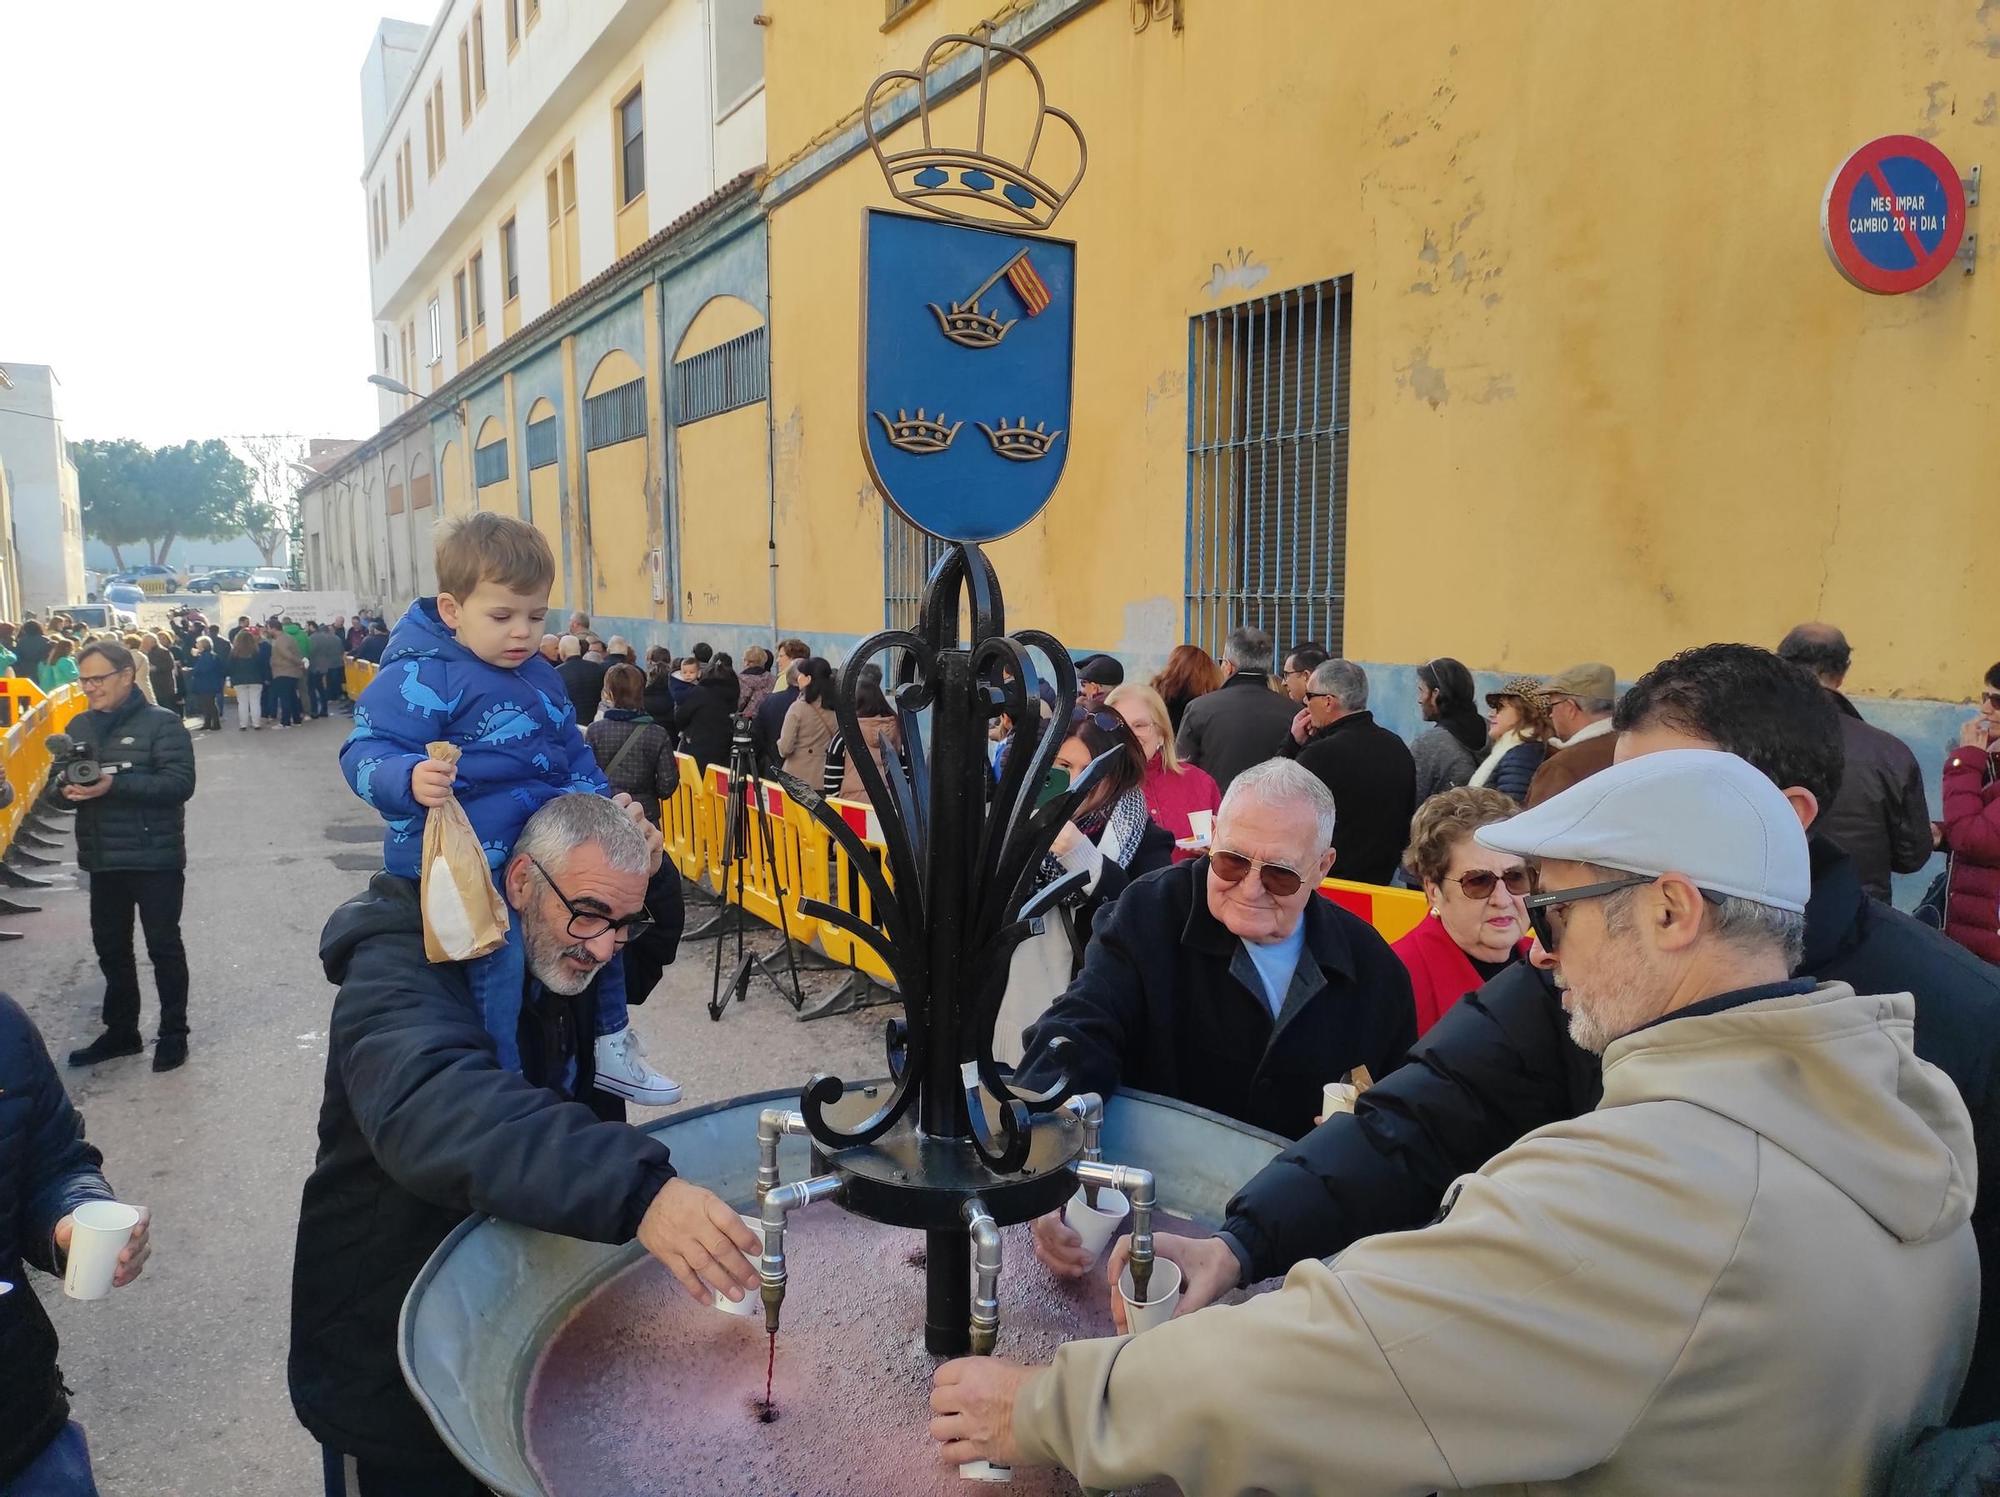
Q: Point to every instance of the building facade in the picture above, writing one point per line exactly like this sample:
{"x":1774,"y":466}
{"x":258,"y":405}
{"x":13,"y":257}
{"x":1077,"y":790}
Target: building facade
{"x":10,"y":567}
{"x":47,"y":544}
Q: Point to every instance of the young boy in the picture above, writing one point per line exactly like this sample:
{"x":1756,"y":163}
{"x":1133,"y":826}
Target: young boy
{"x":464,"y":667}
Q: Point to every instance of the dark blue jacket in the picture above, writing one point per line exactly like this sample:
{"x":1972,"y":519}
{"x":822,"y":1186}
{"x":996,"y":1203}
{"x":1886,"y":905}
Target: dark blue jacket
{"x":46,"y":1172}
{"x":519,"y":745}
{"x":205,"y":676}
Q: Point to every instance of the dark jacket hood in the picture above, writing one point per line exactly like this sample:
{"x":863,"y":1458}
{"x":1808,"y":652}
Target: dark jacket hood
{"x":387,"y":906}
{"x":421,"y":634}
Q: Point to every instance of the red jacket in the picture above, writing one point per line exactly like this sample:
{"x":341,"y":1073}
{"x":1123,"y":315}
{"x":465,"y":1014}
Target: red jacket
{"x":1169,"y":797}
{"x":1972,"y":833}
{"x":1440,"y":972}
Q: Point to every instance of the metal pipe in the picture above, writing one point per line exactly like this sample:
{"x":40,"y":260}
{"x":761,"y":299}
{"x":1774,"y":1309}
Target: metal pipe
{"x":986,"y":1262}
{"x":1137,"y":1187}
{"x":779,"y":1202}
{"x":773,"y":1123}
{"x":1088,"y":1109}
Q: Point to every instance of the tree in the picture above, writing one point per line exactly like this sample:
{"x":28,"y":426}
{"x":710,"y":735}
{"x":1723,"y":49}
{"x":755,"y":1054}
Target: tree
{"x":133,"y":495}
{"x":268,"y":513}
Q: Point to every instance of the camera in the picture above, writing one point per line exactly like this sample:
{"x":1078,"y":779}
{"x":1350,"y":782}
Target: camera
{"x":73,"y":763}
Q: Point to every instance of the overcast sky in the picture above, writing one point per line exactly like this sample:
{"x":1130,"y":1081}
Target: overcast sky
{"x":185,"y":238}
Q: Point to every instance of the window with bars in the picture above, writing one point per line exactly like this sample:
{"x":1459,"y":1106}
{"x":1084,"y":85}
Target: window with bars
{"x":542,"y":443}
{"x":489,"y":463}
{"x":722,"y":378}
{"x":618,"y":415}
{"x":1267,"y":468}
{"x":908,"y":555}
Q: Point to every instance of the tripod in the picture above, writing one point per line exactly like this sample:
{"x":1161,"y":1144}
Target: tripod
{"x":740,"y":822}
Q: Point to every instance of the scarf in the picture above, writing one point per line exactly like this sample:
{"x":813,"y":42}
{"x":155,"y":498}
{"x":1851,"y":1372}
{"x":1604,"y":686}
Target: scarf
{"x":1510,"y":739}
{"x":1116,"y":829}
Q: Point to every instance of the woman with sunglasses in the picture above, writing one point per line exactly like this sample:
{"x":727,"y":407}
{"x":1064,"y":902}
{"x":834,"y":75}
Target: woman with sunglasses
{"x":1970,"y":831}
{"x":1519,"y":732}
{"x":1449,"y":750}
{"x":1111,"y":839}
{"x":1476,"y":924}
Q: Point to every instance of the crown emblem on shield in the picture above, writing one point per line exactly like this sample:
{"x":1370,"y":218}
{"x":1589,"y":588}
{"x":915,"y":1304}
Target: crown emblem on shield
{"x":989,"y":175}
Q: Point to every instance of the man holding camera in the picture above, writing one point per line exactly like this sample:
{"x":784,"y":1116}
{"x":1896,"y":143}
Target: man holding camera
{"x":130,"y":781}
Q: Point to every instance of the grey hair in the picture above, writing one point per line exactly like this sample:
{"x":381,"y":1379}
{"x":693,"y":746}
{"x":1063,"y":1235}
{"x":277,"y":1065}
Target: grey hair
{"x":1594,"y":706}
{"x":1342,"y":680}
{"x":1248,"y":648}
{"x":569,"y":821}
{"x":1283,"y":784}
{"x":1743,"y":923}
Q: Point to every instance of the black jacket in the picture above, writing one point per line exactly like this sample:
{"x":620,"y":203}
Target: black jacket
{"x":584,"y":680}
{"x":649,"y":772}
{"x":706,"y":721}
{"x":140,"y":825}
{"x":372,"y":646}
{"x":418,"y":1128}
{"x":1500,"y":1064}
{"x":1241,"y":723}
{"x":769,"y":722}
{"x":46,"y":1172}
{"x":1169,"y":1002}
{"x":1879,"y":818}
{"x":1374,"y":783}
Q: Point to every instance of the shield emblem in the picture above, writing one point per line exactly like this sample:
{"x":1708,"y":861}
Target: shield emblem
{"x":967,"y":340}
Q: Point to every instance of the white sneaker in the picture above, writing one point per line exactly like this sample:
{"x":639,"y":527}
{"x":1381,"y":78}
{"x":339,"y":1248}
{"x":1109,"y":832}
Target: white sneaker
{"x":622,"y":1070}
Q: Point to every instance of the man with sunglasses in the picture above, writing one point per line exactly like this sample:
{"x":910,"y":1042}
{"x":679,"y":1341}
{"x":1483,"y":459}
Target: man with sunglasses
{"x":1657,"y":1297}
{"x":421,"y":1125}
{"x":131,"y":839}
{"x":1501,"y":1063}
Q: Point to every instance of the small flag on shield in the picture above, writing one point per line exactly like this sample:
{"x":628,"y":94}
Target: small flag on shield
{"x":1028,"y":285}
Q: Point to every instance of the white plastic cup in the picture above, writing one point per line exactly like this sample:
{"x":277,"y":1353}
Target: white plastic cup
{"x":1098,"y":1224}
{"x":985,"y":1471}
{"x":752,"y":1302}
{"x":1165,"y":1290}
{"x":99,"y":1233}
{"x":1200,"y":823}
{"x":1337,"y":1096}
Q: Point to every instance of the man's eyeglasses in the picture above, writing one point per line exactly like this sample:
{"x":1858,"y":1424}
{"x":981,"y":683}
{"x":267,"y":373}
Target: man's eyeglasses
{"x":1480,"y":883}
{"x":86,"y":682}
{"x":1233,"y":868}
{"x":1548,"y":912}
{"x":588,"y":925}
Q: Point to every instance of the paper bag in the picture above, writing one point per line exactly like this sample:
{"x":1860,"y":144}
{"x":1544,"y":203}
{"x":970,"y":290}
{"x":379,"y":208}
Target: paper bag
{"x":464,"y":915}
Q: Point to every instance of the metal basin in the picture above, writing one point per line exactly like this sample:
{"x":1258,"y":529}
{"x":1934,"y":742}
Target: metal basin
{"x":493,"y":1293}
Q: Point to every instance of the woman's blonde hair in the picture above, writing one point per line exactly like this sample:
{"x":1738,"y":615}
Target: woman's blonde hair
{"x":1156,"y":709}
{"x":1447,"y":819}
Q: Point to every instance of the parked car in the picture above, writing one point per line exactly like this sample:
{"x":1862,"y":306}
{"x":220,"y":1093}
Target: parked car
{"x":221,"y":580}
{"x":269,"y":580}
{"x":125,"y":595}
{"x":95,"y":616}
{"x":152,"y":577}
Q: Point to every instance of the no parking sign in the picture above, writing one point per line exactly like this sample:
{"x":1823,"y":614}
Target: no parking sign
{"x":1893,"y":215}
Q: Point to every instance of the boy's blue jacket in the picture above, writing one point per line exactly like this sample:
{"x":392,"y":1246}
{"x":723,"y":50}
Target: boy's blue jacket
{"x":519,"y":745}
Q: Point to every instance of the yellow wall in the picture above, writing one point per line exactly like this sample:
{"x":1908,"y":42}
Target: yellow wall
{"x":1608,"y":397}
{"x":457,"y":494}
{"x":720,"y":319}
{"x":620,"y":507}
{"x":496,"y":496}
{"x":723,"y":483}
{"x":545,"y":503}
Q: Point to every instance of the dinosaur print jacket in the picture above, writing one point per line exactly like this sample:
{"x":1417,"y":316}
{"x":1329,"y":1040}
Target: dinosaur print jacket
{"x":519,"y":745}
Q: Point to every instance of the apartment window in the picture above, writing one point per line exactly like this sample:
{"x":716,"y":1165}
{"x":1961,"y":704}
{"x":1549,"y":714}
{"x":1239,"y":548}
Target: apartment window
{"x":513,"y":25}
{"x":476,"y":273}
{"x":437,"y":112}
{"x":534,"y":11}
{"x":374,"y":231}
{"x":401,"y":211}
{"x":382,"y":206}
{"x":722,"y":378}
{"x":1267,"y":467}
{"x":739,"y":54}
{"x":458,"y":306}
{"x":899,"y":8}
{"x":385,"y":353}
{"x":489,"y":463}
{"x":542,"y":443}
{"x":510,"y":261}
{"x":430,"y":139}
{"x":479,"y":53}
{"x":563,"y":244}
{"x":465,"y":77}
{"x":631,"y":146}
{"x":618,"y":415}
{"x":409,"y":174}
{"x":435,"y":314}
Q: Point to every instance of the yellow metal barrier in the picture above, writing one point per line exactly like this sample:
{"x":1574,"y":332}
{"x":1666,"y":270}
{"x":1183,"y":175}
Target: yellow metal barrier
{"x":24,"y":752}
{"x":358,"y":674}
{"x":681,"y":822}
{"x":1393,"y":912}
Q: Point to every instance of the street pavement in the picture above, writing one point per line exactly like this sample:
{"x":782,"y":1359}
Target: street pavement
{"x":180,"y":1378}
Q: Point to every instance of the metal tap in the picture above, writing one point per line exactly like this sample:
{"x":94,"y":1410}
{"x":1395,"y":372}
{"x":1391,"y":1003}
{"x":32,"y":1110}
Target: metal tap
{"x":773,"y":1124}
{"x":1137,"y":1186}
{"x":986,"y":1263}
{"x":1088,"y":1109}
{"x":778,"y":1203}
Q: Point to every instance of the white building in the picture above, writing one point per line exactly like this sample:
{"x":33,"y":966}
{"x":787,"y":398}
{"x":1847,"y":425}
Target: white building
{"x":48,"y":515}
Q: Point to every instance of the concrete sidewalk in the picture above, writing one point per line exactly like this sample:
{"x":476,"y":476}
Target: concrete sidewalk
{"x":180,"y":1379}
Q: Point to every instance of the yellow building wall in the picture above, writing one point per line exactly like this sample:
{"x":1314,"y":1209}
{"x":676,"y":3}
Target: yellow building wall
{"x":457,"y":493}
{"x":496,"y":496}
{"x":620,"y":505}
{"x":723,"y":483}
{"x":1609,"y":398}
{"x":545,"y":501}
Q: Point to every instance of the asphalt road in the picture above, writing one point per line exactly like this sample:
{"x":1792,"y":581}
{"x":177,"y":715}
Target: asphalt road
{"x":180,"y":1378}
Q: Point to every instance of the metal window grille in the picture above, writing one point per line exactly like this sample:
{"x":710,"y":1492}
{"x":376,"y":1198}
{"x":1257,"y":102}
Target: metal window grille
{"x":1267,"y":468}
{"x":542,"y":443}
{"x":618,"y":415}
{"x":722,"y":378}
{"x":908,"y":555}
{"x":489,"y":463}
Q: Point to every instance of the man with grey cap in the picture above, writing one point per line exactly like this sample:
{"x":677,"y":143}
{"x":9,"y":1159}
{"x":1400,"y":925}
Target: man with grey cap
{"x":1580,"y":703}
{"x":1659,"y":1296}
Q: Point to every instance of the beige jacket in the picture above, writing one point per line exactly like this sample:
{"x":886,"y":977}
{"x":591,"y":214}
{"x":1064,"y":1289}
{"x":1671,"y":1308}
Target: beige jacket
{"x":803,"y":740}
{"x":1749,"y":1271}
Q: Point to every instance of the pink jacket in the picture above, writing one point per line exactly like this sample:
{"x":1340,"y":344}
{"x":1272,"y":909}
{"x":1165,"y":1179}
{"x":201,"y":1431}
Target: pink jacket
{"x":1169,"y":798}
{"x":1972,"y":833}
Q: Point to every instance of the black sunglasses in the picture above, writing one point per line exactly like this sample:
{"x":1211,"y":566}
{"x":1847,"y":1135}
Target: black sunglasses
{"x":1546,"y":911}
{"x":1110,"y":722}
{"x":1233,"y":868}
{"x":588,"y":925}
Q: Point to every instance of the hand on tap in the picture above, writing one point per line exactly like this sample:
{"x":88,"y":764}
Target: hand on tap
{"x":700,"y":1240}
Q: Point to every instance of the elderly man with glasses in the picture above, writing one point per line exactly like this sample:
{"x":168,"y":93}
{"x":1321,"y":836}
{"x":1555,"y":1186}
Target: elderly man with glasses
{"x":131,"y":839}
{"x":1228,"y":982}
{"x":422,"y":1125}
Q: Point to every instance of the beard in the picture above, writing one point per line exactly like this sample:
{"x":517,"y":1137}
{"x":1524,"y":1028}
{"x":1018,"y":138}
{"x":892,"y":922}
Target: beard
{"x":545,"y":954}
{"x":1615,"y":998}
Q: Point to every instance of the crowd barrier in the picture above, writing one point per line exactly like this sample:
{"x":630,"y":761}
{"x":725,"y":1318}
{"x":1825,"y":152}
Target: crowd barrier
{"x":30,"y":716}
{"x":783,"y":848}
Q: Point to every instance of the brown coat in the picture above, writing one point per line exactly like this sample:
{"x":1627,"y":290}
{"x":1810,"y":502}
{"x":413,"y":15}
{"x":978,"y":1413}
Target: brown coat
{"x":1570,"y":766}
{"x":883,"y":736}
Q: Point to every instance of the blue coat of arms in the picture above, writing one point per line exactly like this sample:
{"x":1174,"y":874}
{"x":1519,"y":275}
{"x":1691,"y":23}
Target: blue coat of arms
{"x":968,"y":336}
